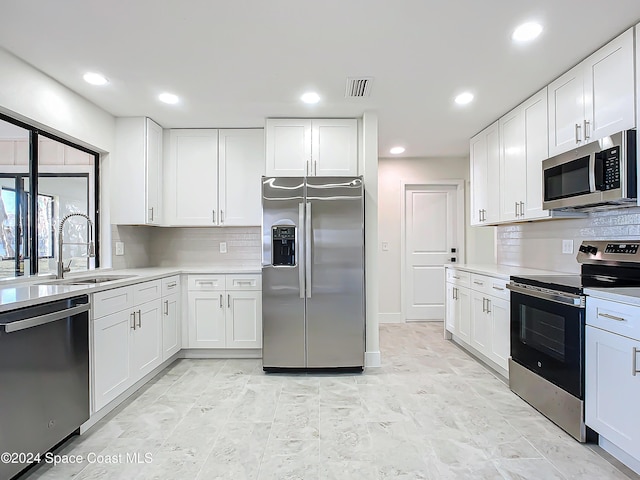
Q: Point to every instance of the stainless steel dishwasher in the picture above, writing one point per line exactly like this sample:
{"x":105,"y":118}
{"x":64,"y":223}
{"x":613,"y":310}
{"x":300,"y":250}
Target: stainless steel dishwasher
{"x":44,"y":377}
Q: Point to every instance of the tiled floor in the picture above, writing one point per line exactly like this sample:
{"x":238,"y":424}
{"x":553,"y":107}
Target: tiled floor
{"x":431,"y":412}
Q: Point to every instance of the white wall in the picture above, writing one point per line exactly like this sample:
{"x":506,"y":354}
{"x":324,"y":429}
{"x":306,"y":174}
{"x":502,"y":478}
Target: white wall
{"x":539,"y":244}
{"x":392,"y":173}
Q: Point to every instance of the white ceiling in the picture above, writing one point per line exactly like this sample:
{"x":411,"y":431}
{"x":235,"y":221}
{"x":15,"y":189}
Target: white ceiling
{"x":235,"y":62}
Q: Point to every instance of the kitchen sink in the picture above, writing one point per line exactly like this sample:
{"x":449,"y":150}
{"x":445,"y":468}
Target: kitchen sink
{"x":93,"y":280}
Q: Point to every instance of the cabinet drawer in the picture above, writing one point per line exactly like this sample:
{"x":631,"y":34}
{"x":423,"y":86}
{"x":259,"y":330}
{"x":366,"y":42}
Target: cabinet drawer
{"x":206,"y":282}
{"x":458,"y":277}
{"x":170,"y":285}
{"x":496,"y":287}
{"x":244,"y":282}
{"x":147,"y":291}
{"x":112,"y":301}
{"x":615,"y":317}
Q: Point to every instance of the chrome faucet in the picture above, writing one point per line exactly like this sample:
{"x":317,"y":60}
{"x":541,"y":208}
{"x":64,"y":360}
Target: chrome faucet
{"x":91,"y":251}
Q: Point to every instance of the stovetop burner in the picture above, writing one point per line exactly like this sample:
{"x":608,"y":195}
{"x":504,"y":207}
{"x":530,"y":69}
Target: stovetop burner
{"x":605,"y":264}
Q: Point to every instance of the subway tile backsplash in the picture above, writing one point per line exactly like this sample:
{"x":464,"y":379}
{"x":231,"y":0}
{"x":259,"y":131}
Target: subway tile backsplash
{"x":539,"y":244}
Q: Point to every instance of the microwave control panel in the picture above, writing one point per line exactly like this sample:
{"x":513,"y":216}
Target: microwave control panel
{"x":611,"y":168}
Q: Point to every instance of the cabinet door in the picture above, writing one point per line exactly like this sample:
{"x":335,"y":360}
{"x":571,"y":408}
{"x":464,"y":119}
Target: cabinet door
{"x":500,"y":313}
{"x":288,"y":147}
{"x":244,"y":320}
{"x":207,"y":319}
{"x":480,"y":324}
{"x":154,"y":172}
{"x":112,"y":347}
{"x":512,"y":164}
{"x":334,"y":147}
{"x":241,"y":166}
{"x":611,"y":390}
{"x":171,"y":338}
{"x":566,"y":111}
{"x":609,"y":89}
{"x":463,"y":314}
{"x":450,"y":308}
{"x":191,"y":178}
{"x":479,"y":173}
{"x":492,"y":214}
{"x":536,"y":149}
{"x":147,"y":339}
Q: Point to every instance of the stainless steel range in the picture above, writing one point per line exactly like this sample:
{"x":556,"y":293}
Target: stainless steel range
{"x":546,"y":367}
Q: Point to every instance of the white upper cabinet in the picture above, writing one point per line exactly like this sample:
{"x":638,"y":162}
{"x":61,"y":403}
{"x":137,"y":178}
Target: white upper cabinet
{"x":523,"y":147}
{"x":595,"y":98}
{"x":191,"y":177}
{"x":241,"y":166}
{"x":485,"y":173}
{"x":137,"y":172}
{"x":311,"y":147}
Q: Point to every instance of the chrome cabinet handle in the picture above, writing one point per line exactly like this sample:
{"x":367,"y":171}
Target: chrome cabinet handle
{"x":315,"y":167}
{"x":166,"y":307}
{"x":221,"y":216}
{"x":634,"y":362}
{"x":522,"y":209}
{"x":133,"y":315}
{"x":478,"y":283}
{"x":455,"y":276}
{"x":139,"y":319}
{"x":172,"y":285}
{"x":612,"y":317}
{"x":228,"y":300}
{"x":483,"y":305}
{"x":498,"y":288}
{"x":213,"y":215}
{"x":220,"y":300}
{"x":517,"y":212}
{"x":488,"y":305}
{"x":578,"y":132}
{"x":151,"y":214}
{"x":587,"y":128}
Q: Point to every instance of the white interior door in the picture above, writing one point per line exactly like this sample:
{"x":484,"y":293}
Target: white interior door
{"x":432,"y":228}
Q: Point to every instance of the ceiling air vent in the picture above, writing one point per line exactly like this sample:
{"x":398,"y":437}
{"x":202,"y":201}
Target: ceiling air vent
{"x":358,"y":87}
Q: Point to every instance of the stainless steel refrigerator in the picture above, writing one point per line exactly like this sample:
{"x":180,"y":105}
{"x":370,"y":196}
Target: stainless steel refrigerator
{"x":313,"y":272}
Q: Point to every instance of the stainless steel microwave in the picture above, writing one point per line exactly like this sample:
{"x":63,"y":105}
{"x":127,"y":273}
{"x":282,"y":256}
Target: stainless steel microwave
{"x":600,"y":174}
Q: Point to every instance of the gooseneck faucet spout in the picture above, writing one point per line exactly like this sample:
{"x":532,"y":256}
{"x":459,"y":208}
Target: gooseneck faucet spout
{"x":91,"y":252}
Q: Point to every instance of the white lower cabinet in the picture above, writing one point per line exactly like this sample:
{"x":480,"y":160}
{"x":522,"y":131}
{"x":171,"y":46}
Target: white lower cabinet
{"x":127,"y":338}
{"x":225,"y":311}
{"x":612,"y":375}
{"x":479,"y":315}
{"x":171,"y":325}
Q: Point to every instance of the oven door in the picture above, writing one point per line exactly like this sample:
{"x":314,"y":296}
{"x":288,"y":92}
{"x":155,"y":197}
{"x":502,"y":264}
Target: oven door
{"x":547,"y":337}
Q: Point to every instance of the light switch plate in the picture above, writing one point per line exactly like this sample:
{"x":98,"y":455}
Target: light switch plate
{"x":567,"y":246}
{"x":119,"y":248}
{"x":223,"y":247}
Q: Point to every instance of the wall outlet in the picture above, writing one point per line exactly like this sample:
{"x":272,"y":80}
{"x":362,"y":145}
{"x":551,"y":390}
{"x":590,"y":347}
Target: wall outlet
{"x":567,"y":246}
{"x":119,"y":248}
{"x":223,"y":247}
{"x":385,"y":246}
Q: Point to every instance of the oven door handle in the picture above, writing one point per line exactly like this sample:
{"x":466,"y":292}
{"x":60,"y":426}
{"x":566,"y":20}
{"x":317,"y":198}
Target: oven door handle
{"x":558,"y":297}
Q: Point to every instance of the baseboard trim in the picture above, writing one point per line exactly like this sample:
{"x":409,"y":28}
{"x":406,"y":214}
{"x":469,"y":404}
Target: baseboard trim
{"x":395,"y":317}
{"x":372,"y":359}
{"x":221,"y":353}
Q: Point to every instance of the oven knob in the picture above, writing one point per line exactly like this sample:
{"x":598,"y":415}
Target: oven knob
{"x":590,"y":249}
{"x":539,"y":364}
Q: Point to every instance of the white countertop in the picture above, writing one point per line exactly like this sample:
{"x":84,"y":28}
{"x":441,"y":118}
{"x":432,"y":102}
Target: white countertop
{"x":630,"y":295}
{"x":25,"y":294}
{"x":501,"y":271}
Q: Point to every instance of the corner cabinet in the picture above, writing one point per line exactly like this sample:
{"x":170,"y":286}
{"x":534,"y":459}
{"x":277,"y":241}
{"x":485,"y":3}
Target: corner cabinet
{"x":136,"y":172}
{"x":212,"y":177}
{"x":485,"y":173}
{"x":301,"y":147}
{"x":595,"y":98}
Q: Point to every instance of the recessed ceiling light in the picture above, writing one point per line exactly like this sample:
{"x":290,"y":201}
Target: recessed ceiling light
{"x":310,"y":97}
{"x":95,"y":78}
{"x":464,"y":98}
{"x":396,"y":150}
{"x":169,"y":98}
{"x":527,"y":32}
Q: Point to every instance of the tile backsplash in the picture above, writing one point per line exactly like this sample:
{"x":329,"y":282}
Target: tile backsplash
{"x":539,"y":244}
{"x":136,"y":246}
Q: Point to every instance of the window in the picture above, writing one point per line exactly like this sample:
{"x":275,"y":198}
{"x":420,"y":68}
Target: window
{"x":65,"y":177}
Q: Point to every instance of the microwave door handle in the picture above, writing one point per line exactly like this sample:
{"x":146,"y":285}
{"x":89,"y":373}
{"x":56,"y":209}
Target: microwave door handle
{"x":598,"y":171}
{"x":592,"y":173}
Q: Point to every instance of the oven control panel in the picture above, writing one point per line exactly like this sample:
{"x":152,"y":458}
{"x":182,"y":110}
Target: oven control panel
{"x":622,"y":248}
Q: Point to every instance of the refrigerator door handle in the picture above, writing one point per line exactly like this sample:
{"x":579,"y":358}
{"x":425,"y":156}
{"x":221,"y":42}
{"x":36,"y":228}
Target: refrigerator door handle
{"x":300,"y":254}
{"x":307,"y":248}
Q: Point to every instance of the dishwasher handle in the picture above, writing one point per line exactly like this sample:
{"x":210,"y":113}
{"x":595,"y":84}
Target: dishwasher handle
{"x":44,"y":319}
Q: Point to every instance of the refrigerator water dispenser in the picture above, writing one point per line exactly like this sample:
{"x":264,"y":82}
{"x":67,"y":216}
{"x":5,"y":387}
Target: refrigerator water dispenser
{"x":283,"y":241}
